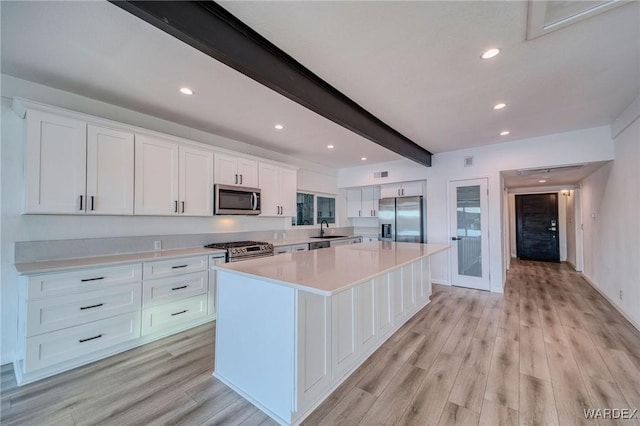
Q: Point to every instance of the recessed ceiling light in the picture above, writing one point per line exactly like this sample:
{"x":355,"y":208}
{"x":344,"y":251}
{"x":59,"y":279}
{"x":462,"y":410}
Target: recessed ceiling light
{"x":330,"y":146}
{"x":186,"y":91}
{"x":542,"y":180}
{"x":504,"y":133}
{"x":364,"y":158}
{"x":279,"y":126}
{"x":490,"y":53}
{"x":499,"y":106}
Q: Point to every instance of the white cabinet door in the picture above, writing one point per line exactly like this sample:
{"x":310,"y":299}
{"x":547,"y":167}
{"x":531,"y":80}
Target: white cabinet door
{"x":367,"y":328}
{"x":110,"y":171}
{"x":383,"y":309}
{"x":247,"y":172}
{"x":278,"y":190}
{"x":156,"y":171}
{"x":344,"y":348}
{"x":226,"y":169}
{"x":410,"y":189}
{"x":288,"y":185}
{"x":397,"y":302}
{"x":213,"y":260}
{"x":282,"y":249}
{"x":313,"y":348}
{"x":56,"y":155}
{"x":354,"y":203}
{"x":196,"y":182}
{"x":390,"y":191}
{"x":269,"y":194}
{"x":370,"y":198}
{"x":408,"y":289}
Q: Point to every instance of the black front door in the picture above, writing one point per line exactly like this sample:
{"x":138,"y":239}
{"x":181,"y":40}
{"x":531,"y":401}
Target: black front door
{"x":537,"y":227}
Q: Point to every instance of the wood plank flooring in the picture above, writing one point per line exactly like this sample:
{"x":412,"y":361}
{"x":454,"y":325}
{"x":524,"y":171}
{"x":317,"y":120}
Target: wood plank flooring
{"x":540,"y":354}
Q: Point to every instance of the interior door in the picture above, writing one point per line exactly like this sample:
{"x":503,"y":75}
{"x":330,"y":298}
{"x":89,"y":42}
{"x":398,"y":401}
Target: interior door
{"x":469,"y":225}
{"x":537,"y":227}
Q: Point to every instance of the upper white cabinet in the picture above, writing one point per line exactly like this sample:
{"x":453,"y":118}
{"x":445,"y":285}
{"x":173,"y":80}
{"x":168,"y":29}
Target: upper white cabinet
{"x":278,"y":190}
{"x":75,"y":168}
{"x":363,"y":202}
{"x":404,"y":189}
{"x":231,"y":170}
{"x":109,"y":171}
{"x":172,"y":179}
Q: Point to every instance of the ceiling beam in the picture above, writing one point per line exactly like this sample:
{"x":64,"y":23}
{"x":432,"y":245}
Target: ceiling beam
{"x":208,"y":27}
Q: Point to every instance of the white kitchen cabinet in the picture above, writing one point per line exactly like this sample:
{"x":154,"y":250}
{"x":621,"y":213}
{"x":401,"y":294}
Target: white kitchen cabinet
{"x":75,"y":168}
{"x":232,"y":170}
{"x":214,"y":259}
{"x":397,"y":301}
{"x":404,"y":189}
{"x":369,"y":239}
{"x":345,"y":241}
{"x":408,"y":289}
{"x":278,"y":190}
{"x":363,"y":202}
{"x":175,"y":316}
{"x":383,"y":306}
{"x":293,"y":248}
{"x":367,"y":330}
{"x":344,"y":323}
{"x":172,"y":179}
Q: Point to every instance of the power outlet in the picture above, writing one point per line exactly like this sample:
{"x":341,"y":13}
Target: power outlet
{"x":157,"y":245}
{"x":620,"y":294}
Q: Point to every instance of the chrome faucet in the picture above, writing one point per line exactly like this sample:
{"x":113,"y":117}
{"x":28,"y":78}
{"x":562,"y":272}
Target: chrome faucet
{"x":322,"y":230}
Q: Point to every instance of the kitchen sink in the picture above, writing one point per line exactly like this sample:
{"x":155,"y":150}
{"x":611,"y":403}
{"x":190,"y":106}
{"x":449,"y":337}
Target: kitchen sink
{"x":332,"y":236}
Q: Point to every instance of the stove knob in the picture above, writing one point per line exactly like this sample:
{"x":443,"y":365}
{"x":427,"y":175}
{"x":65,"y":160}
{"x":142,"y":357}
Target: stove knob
{"x":244,"y":249}
{"x":234,"y":250}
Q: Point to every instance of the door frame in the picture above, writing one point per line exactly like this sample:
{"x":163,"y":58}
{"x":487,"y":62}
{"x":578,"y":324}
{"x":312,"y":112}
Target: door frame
{"x":480,"y":283}
{"x":558,"y":221}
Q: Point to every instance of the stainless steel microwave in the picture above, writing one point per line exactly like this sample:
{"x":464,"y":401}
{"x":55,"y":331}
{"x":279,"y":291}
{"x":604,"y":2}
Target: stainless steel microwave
{"x":229,"y":199}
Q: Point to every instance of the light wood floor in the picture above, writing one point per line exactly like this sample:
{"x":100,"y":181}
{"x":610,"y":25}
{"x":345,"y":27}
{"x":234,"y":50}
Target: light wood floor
{"x":543,"y":352}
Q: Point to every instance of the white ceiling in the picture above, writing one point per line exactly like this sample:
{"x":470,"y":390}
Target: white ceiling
{"x":552,"y":177}
{"x":415,"y":65}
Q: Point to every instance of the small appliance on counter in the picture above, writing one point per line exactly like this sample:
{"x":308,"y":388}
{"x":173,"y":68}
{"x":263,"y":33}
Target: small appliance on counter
{"x":401,"y":219}
{"x":244,"y":250}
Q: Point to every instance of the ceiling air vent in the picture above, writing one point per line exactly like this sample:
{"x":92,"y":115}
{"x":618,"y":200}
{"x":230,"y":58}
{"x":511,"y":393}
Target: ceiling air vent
{"x":378,"y":175}
{"x":546,"y":170}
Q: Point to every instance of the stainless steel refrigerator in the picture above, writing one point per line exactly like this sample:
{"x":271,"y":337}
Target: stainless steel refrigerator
{"x":401,"y":219}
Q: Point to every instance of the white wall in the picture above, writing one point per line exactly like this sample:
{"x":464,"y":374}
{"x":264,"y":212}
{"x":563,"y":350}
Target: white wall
{"x":553,"y":150}
{"x":611,"y":218}
{"x":16,"y":227}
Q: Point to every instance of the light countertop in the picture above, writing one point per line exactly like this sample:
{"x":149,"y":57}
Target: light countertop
{"x":330,"y":270}
{"x":97,"y":261}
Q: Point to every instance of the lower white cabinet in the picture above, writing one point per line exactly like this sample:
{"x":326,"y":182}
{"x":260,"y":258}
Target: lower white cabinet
{"x":344,"y":325}
{"x":291,"y":248}
{"x":71,"y":318}
{"x":346,"y":241}
{"x":213,"y":260}
{"x":174,"y":314}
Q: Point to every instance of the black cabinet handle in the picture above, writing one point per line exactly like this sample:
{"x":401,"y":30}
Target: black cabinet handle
{"x":236,"y":179}
{"x":80,"y":202}
{"x":182,"y":206}
{"x":90,"y":338}
{"x":175,"y":206}
{"x":240,"y":179}
{"x":179,"y":266}
{"x":455,"y":239}
{"x":92,"y":306}
{"x":92,"y":279}
{"x":179,"y":288}
{"x":92,"y":202}
{"x":181,"y":312}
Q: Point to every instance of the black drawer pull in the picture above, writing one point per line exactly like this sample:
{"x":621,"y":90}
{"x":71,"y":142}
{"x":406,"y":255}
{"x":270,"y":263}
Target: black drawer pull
{"x":179,"y":266}
{"x":90,"y":338}
{"x":92,"y":279}
{"x":181,"y":312}
{"x":179,"y":288}
{"x":92,"y":306}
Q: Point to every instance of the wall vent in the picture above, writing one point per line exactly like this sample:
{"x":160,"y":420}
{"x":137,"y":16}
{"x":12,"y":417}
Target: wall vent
{"x":468,"y":161}
{"x":547,"y":170}
{"x":377,"y":175}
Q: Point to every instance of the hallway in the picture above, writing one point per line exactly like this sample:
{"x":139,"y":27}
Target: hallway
{"x":548,"y":349}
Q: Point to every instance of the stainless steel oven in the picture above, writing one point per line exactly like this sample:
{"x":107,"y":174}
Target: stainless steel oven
{"x":244,"y":250}
{"x":229,"y":199}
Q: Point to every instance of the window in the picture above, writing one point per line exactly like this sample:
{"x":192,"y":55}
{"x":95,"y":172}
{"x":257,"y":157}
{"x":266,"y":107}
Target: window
{"x":308,"y":204}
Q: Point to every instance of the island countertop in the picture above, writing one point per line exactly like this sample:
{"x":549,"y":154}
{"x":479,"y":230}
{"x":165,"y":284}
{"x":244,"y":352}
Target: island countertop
{"x":330,"y":270}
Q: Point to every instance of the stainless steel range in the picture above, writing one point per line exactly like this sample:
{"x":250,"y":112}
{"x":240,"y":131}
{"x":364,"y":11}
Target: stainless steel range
{"x":244,"y":250}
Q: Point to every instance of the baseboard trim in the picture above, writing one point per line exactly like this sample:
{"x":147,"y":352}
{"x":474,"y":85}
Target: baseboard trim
{"x":613,"y":303}
{"x":441,"y":282}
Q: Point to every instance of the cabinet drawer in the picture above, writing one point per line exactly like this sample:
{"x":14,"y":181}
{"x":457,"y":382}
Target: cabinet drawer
{"x":164,"y":290}
{"x":55,"y":313}
{"x":173,"y":314}
{"x":51,"y":348}
{"x":169,"y":268}
{"x":84,"y":280}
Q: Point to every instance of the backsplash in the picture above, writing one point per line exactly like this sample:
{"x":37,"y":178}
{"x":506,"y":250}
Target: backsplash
{"x":34,"y":251}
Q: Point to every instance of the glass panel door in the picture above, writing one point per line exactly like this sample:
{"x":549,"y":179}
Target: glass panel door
{"x":470,"y":244}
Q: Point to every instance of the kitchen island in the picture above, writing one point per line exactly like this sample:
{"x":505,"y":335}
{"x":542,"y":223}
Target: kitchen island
{"x":291,"y":328}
